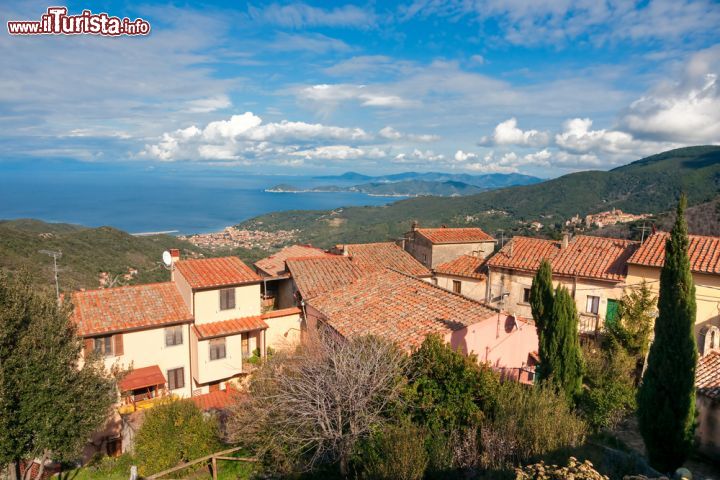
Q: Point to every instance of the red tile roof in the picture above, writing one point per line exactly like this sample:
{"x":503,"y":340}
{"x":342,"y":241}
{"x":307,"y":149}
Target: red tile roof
{"x":588,"y":257}
{"x":218,"y":400}
{"x":216,"y":272}
{"x":704,"y":252}
{"x":274,"y":265}
{"x":229,"y":327}
{"x":283,"y":312}
{"x":468,"y":266}
{"x":141,"y":378}
{"x":398,"y":307}
{"x":127,"y":308}
{"x":455,"y":235}
{"x":524,"y":253}
{"x":314,"y":276}
{"x":371,"y":257}
{"x":707,"y":375}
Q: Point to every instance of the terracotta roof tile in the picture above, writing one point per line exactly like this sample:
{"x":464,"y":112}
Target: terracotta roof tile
{"x":229,"y":327}
{"x":127,"y":308}
{"x":398,"y":307}
{"x":314,"y":276}
{"x":585,"y":256}
{"x":707,"y":375}
{"x":218,"y":400}
{"x":141,"y":378}
{"x":468,"y":266}
{"x":216,"y":272}
{"x":454,"y":235}
{"x":704,"y":252}
{"x":274,"y":265}
{"x":371,"y":257}
{"x":524,"y":253}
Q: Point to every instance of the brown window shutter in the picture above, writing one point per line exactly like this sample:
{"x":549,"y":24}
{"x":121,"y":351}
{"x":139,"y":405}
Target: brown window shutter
{"x":89,"y":346}
{"x":118,"y":344}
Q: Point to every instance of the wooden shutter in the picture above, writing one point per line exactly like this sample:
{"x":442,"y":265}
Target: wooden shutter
{"x":118,"y":344}
{"x":89,"y":346}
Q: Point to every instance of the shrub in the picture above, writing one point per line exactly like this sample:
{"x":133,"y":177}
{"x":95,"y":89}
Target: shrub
{"x":172,"y":432}
{"x":529,"y":421}
{"x":394,"y":452}
{"x":609,"y":393}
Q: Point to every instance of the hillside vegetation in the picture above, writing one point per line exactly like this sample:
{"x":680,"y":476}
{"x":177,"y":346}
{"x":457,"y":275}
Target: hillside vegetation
{"x":85,"y":253}
{"x":650,"y":185}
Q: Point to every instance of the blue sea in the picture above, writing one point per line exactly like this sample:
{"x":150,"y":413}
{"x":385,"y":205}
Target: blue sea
{"x":140,"y":199}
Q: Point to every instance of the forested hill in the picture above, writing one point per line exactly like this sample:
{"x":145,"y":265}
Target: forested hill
{"x":650,"y":185}
{"x":85,"y":253}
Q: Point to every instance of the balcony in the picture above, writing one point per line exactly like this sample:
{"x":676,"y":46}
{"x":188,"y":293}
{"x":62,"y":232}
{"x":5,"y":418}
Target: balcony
{"x":589,"y":324}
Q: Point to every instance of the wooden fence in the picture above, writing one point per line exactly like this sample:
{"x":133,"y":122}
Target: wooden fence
{"x":212,"y":458}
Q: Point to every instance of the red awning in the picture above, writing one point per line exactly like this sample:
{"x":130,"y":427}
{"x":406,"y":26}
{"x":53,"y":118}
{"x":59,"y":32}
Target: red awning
{"x":141,"y":378}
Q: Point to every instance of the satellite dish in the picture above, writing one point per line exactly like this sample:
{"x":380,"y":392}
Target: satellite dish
{"x":167,"y":258}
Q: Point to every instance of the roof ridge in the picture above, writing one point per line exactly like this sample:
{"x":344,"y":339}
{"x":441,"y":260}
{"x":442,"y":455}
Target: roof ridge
{"x":122,"y":287}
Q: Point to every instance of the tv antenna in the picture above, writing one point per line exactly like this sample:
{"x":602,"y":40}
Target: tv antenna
{"x":644,"y":229}
{"x":55,"y":254}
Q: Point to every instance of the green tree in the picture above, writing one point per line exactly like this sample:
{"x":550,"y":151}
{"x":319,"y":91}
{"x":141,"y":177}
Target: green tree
{"x":634,"y":323}
{"x":394,"y":451}
{"x":541,"y":295}
{"x":666,"y":398}
{"x":560,"y":355}
{"x":449,"y":390}
{"x":49,"y":405}
{"x":174,"y":431}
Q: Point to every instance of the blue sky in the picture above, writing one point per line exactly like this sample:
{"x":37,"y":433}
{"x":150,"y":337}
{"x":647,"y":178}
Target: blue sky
{"x":543,"y":88}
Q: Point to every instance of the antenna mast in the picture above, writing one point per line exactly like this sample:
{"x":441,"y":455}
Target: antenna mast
{"x":55,"y":254}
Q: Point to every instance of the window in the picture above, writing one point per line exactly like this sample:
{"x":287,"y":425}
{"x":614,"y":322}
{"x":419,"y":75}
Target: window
{"x":176,"y":378}
{"x":457,"y":286}
{"x":526,"y":295}
{"x":173,"y":336}
{"x":593,"y":304}
{"x":103,"y":345}
{"x":217,"y":348}
{"x":245,"y":345}
{"x":227,"y":298}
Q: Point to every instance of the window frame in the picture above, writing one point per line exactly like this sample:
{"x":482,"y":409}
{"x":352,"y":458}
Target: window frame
{"x":225,"y":298}
{"x":457,"y":287}
{"x":175,"y":330}
{"x":214,"y":346}
{"x":106,"y":347}
{"x":592,"y":304}
{"x":526,"y":295}
{"x":172,"y":377}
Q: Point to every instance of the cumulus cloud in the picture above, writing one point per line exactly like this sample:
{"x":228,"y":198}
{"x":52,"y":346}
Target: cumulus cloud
{"x":339,"y":152}
{"x":246,"y":135}
{"x":508,"y":133}
{"x":418,"y":157}
{"x":390,"y":133}
{"x":687,"y":111}
{"x":461,"y":156}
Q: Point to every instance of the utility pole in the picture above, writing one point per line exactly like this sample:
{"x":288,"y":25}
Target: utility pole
{"x":643,"y":229}
{"x":55,"y":254}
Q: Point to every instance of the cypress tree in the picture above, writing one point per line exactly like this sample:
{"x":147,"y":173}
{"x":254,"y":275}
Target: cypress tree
{"x":541,"y":295}
{"x":562,"y":357}
{"x":666,"y":398}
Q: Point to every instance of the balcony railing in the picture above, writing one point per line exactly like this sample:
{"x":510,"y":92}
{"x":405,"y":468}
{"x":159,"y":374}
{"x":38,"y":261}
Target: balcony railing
{"x":589,"y":323}
{"x":140,"y":402}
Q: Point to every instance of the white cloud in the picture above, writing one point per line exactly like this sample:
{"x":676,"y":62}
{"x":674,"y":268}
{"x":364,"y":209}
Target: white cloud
{"x":461,"y":156}
{"x":508,"y":133}
{"x":687,"y":111}
{"x":578,"y":138}
{"x":300,"y":15}
{"x":390,"y":133}
{"x":418,"y":157}
{"x":210,"y":104}
{"x":367,"y":96}
{"x":339,"y":152}
{"x":246,"y":135}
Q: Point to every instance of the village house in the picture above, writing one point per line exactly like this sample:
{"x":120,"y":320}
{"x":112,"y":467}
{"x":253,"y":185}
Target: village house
{"x":277,"y":287}
{"x":707,"y":383}
{"x":704,"y":252}
{"x":594,"y":270}
{"x":434,"y":246}
{"x":465,"y":275}
{"x":191,"y":336}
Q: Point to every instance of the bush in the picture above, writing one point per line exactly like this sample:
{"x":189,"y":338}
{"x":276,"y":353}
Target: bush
{"x":394,"y":452}
{"x":530,"y":421}
{"x":609,"y":392}
{"x":574,"y":470}
{"x":172,"y":432}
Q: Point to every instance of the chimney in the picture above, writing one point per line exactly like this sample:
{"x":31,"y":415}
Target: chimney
{"x":414,"y":226}
{"x":175,"y":254}
{"x":345,"y":251}
{"x":565,"y":240}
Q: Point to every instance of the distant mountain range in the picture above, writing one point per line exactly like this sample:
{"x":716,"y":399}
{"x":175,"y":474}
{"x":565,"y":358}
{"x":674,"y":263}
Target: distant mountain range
{"x":413,"y":184}
{"x":650,"y":185}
